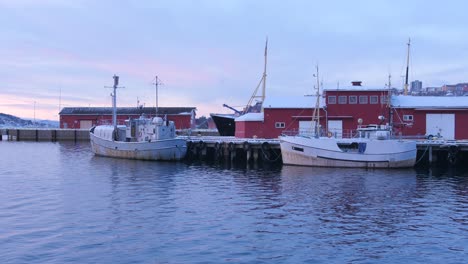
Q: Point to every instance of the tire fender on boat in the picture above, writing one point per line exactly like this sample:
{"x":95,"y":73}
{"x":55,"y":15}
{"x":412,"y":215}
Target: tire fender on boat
{"x":201,"y":144}
{"x":265,"y":146}
{"x":246,"y":145}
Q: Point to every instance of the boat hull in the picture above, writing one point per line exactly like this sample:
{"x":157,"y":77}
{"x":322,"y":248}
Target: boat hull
{"x":168,"y":149}
{"x":225,"y":124}
{"x":324,"y":152}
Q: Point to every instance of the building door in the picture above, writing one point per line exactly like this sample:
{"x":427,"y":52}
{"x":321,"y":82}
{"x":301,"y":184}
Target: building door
{"x":307,"y":128}
{"x":335,"y":127}
{"x":443,"y":124}
{"x":86,"y":124}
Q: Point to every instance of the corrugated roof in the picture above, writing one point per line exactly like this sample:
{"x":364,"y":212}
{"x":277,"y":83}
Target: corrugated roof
{"x":126,"y":110}
{"x":402,"y":101}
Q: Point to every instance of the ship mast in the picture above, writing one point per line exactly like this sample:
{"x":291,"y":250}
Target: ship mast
{"x":114,"y":101}
{"x":262,"y":82}
{"x":156,"y":84}
{"x":316,"y":113}
{"x":407,"y":68}
{"x":264,"y":71}
{"x":389,"y":104}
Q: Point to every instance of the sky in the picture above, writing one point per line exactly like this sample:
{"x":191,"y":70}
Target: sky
{"x":61,"y":53}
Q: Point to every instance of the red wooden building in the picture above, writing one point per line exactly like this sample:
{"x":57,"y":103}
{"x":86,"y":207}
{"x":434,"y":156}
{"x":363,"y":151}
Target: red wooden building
{"x":343,"y":109}
{"x":86,"y":117}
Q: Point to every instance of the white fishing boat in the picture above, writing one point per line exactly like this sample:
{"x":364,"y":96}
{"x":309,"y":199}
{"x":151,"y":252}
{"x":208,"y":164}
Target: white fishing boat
{"x":142,"y":138}
{"x":370,"y":146}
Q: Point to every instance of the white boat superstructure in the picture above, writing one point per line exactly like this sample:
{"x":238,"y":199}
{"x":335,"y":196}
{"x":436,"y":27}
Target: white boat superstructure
{"x":142,"y":138}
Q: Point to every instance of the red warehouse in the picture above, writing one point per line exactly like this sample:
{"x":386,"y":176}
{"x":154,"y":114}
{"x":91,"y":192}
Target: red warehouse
{"x":86,"y":117}
{"x":342,"y":110}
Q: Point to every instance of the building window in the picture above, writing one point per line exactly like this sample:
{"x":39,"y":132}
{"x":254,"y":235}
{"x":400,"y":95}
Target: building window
{"x":383,"y":99}
{"x":407,"y":117}
{"x":353,"y":99}
{"x":374,"y":99}
{"x":280,"y":125}
{"x":342,"y":99}
{"x":332,"y":99}
{"x":363,"y":99}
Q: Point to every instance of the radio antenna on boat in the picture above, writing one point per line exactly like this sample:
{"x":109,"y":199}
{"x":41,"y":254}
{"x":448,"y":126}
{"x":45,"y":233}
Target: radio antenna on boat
{"x":407,"y":68}
{"x":156,"y":83}
{"x":114,"y":99}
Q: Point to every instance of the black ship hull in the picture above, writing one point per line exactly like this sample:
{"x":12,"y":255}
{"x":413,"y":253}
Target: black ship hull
{"x":225,"y":124}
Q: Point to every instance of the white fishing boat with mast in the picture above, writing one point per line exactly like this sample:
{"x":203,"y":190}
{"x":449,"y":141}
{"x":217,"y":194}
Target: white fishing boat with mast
{"x":373,"y":146}
{"x":142,"y":139}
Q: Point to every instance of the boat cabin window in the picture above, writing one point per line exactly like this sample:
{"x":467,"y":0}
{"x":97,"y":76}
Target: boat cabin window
{"x":342,"y":99}
{"x":363,"y":99}
{"x":280,"y":125}
{"x":407,"y":117}
{"x":374,"y":99}
{"x":353,"y":99}
{"x":332,"y":99}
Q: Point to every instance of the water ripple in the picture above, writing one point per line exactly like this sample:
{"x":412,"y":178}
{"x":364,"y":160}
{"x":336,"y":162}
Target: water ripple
{"x":64,"y":205}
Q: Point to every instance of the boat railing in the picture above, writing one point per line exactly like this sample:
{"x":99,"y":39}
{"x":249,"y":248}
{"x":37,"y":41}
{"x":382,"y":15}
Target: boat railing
{"x":342,"y":133}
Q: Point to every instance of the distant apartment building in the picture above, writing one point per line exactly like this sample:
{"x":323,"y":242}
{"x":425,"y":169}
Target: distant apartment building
{"x":416,"y":87}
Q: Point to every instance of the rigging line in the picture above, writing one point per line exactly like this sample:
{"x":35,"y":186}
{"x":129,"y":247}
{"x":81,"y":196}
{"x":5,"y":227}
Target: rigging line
{"x":422,"y":156}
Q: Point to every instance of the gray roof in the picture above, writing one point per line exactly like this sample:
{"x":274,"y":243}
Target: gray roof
{"x":126,"y":110}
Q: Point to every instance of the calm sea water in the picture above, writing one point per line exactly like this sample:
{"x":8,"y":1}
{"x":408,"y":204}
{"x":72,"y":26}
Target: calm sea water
{"x":61,"y":204}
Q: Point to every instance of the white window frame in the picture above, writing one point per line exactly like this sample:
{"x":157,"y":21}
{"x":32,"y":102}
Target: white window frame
{"x":332,"y":101}
{"x":363,"y":99}
{"x":383,"y":99}
{"x":280,"y":124}
{"x":408,"y":117}
{"x":353,"y":97}
{"x":375,"y":101}
{"x":342,"y":99}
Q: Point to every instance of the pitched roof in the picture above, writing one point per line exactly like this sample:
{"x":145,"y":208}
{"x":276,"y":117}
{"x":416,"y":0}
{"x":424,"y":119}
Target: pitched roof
{"x":126,"y":110}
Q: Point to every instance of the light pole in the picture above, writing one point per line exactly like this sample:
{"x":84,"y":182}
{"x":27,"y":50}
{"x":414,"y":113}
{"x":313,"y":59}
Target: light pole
{"x":34,"y":122}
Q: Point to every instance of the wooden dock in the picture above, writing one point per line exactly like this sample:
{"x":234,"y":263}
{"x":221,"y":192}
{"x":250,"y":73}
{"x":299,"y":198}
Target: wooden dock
{"x":449,"y":152}
{"x":249,"y":150}
{"x":233,"y":149}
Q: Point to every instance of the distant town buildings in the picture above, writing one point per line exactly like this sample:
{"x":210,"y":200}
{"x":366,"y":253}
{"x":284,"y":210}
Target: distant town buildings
{"x":416,"y":86}
{"x":459,"y":89}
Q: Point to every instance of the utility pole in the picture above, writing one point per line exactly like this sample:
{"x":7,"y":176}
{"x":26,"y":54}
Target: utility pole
{"x":34,"y":113}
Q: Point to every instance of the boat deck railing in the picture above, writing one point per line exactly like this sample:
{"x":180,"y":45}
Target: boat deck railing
{"x":351,"y":133}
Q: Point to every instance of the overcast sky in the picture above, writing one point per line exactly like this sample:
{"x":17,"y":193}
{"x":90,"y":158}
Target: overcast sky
{"x":211,"y":52}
